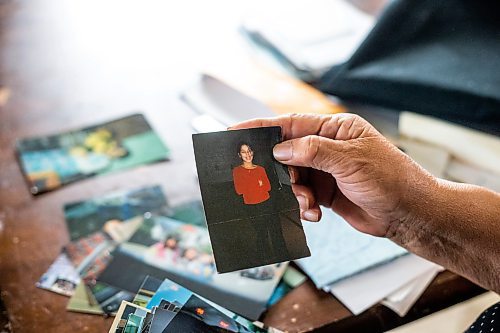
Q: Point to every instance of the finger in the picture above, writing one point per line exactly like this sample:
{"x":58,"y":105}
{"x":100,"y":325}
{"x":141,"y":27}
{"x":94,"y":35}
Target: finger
{"x":309,"y":208}
{"x":305,"y":196}
{"x":294,"y":174}
{"x":341,"y":126}
{"x":311,"y":151}
{"x":312,"y":215}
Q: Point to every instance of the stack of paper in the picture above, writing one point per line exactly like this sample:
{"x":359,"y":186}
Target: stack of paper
{"x":169,"y":307}
{"x":309,"y":38}
{"x":362,"y":270}
{"x":474,"y":155}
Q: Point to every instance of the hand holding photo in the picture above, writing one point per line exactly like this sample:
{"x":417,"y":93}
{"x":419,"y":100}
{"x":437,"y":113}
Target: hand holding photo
{"x":251,"y":212}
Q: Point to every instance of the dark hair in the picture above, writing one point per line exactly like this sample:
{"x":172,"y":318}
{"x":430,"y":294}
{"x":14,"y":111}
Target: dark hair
{"x":174,"y":237}
{"x":241,"y":143}
{"x":190,"y":248}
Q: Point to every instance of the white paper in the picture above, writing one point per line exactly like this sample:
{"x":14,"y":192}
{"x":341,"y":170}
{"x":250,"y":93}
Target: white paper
{"x":474,"y":147}
{"x":292,"y":28}
{"x":403,"y":299}
{"x":338,"y":250}
{"x":466,"y":173}
{"x":432,"y":158}
{"x":360,"y":292}
{"x":225,"y":104}
{"x":206,"y":123}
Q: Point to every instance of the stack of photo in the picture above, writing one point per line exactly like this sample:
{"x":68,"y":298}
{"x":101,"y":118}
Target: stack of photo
{"x":165,"y":306}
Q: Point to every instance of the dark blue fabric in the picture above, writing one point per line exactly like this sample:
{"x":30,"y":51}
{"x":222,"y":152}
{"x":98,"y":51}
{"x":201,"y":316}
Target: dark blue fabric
{"x":440,"y":58}
{"x":487,"y":322}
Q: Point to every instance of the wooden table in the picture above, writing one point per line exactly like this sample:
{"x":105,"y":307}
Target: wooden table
{"x":65,"y":64}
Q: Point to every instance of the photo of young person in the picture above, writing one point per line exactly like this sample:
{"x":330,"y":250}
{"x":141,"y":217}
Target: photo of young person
{"x":251,"y":212}
{"x":250,"y":180}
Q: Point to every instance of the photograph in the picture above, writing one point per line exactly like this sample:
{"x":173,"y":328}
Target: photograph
{"x":61,"y":277}
{"x":166,"y":248}
{"x":88,"y":216}
{"x":172,"y":245}
{"x":107,"y":297}
{"x":252,"y":214}
{"x":81,"y":301}
{"x":197,"y":314}
{"x":49,"y":162}
{"x":148,"y":288}
{"x":129,"y":318}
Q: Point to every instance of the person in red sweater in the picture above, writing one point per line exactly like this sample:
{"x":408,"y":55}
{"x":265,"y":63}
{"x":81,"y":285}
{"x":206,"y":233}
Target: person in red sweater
{"x":250,"y":180}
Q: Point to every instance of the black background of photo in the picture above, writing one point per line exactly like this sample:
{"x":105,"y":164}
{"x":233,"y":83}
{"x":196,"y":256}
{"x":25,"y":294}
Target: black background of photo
{"x":217,"y":155}
{"x":245,"y":236}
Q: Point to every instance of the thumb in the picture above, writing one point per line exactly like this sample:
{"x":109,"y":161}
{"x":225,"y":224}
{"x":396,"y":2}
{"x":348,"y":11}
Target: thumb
{"x":312,"y":151}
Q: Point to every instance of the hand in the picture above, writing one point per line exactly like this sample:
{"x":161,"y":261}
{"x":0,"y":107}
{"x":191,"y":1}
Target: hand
{"x":341,"y":162}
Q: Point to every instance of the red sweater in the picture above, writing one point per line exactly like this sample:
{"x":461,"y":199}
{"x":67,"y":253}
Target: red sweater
{"x":253,"y":184}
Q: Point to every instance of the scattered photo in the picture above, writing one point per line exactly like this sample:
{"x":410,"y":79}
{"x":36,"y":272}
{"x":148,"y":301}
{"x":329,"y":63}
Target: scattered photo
{"x":107,"y":297}
{"x":170,"y":244}
{"x":190,"y":212}
{"x":81,"y":302}
{"x":182,"y":311}
{"x":193,"y":313}
{"x":147,"y":291}
{"x":290,"y":280}
{"x":49,"y":162}
{"x":88,"y":250}
{"x":86,"y":217}
{"x":129,"y":318}
{"x":61,"y":277}
{"x":91,"y":254}
{"x":251,"y":212}
{"x":167,"y":248}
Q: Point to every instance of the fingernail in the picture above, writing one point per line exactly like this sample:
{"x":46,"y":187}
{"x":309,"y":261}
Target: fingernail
{"x":311,"y":215}
{"x":302,"y":202}
{"x":283,"y":151}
